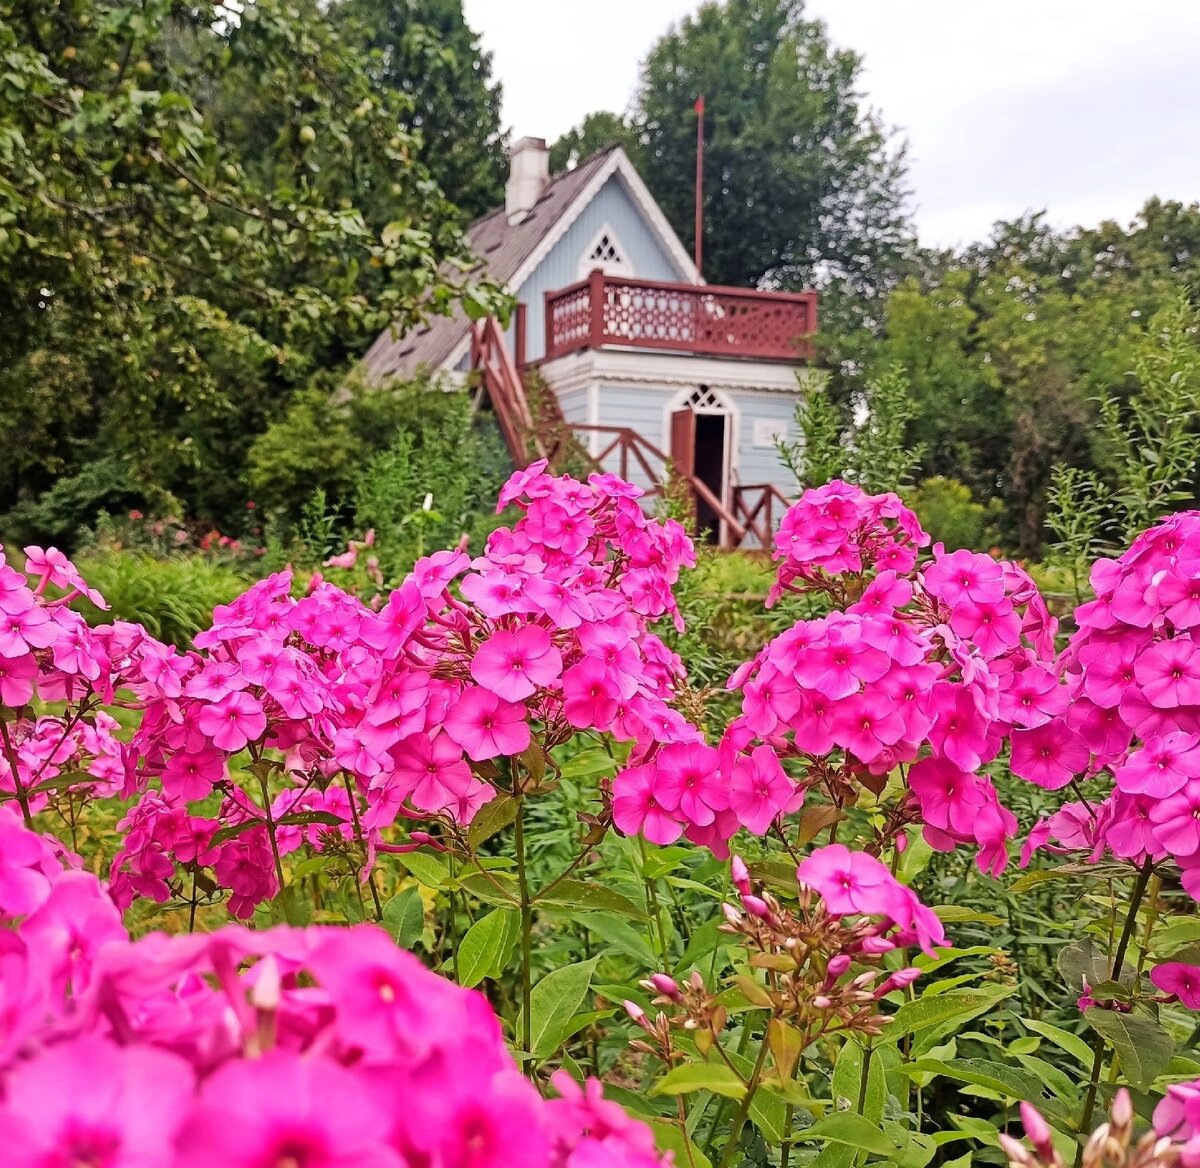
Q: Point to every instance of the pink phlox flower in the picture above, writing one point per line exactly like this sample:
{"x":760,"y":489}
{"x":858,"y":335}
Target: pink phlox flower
{"x":866,"y":726}
{"x":759,"y":790}
{"x":993,"y":627}
{"x":1180,"y":980}
{"x":1162,"y":765}
{"x":17,"y":676}
{"x":689,"y":779}
{"x":498,"y":593}
{"x":1131,"y":832}
{"x":284,"y":1108}
{"x":91,"y":1102}
{"x":958,"y":732}
{"x":233,"y":720}
{"x":964,"y":578}
{"x":486,"y":726}
{"x":515,"y":664}
{"x":639,"y":808}
{"x":432,"y":770}
{"x":1169,"y":673}
{"x":1176,"y":819}
{"x":1050,"y":755}
{"x":591,"y":694}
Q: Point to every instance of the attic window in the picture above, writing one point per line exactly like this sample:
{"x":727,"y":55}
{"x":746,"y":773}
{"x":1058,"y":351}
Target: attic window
{"x":605,"y":253}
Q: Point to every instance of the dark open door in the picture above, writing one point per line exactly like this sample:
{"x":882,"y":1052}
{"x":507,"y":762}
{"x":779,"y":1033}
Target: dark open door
{"x":683,"y":441}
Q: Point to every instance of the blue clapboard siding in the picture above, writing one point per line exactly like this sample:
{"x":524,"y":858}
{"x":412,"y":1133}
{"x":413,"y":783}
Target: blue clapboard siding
{"x":612,"y":206}
{"x":640,"y":407}
{"x":757,"y":462}
{"x":574,"y":403}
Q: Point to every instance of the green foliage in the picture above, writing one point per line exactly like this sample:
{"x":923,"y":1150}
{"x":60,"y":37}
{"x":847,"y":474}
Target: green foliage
{"x":1150,"y":447}
{"x":596,"y":132}
{"x":424,"y":51}
{"x":195,"y":215}
{"x":951,"y":516}
{"x":62,"y":514}
{"x":172,"y":597}
{"x":873,"y":453}
{"x":434,"y":483}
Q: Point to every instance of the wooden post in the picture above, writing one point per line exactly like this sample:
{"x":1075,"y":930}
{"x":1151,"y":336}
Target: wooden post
{"x":596,"y":308}
{"x":548,"y":320}
{"x":519,"y":330}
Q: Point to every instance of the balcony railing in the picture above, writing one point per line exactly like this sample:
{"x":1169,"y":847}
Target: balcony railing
{"x":692,"y":318}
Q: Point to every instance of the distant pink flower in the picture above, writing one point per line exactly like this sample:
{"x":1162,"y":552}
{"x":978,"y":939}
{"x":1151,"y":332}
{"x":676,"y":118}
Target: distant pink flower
{"x":1175,"y":977}
{"x":1050,"y":755}
{"x":90,"y":1102}
{"x":233,"y":720}
{"x":286,"y":1109}
{"x":637,"y":806}
{"x":513,"y":665}
{"x":486,"y":726}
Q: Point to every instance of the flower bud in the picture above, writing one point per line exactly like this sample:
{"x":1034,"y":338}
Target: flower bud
{"x":876,"y":945}
{"x":836,"y":966}
{"x":665,"y":985}
{"x":266,"y":992}
{"x":731,"y":914}
{"x":740,"y":874}
{"x":636,"y":1013}
{"x":821,"y":1002}
{"x":757,"y":907}
{"x":1036,"y":1128}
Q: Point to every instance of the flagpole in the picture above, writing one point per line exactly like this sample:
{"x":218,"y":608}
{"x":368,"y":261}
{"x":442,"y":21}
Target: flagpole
{"x":699,"y":181}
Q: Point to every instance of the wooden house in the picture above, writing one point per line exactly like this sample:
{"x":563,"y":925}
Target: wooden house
{"x":647,"y":365}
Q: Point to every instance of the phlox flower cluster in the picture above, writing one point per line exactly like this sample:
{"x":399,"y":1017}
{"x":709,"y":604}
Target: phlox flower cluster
{"x":1132,"y":673}
{"x":316,"y":1047}
{"x":407,"y":711}
{"x":839,"y":530}
{"x":930,"y":670}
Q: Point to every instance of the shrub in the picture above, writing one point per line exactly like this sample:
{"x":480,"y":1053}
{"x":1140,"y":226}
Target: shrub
{"x":951,"y":516}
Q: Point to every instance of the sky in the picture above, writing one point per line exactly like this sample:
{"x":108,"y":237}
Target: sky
{"x":1081,"y":108}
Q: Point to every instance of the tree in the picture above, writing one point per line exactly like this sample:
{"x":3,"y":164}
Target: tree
{"x":595,"y":133}
{"x":802,"y":186}
{"x":424,"y":50}
{"x":183,"y":237}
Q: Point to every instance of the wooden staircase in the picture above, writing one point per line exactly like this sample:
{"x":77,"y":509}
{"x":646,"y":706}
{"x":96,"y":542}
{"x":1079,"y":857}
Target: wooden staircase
{"x":548,"y":436}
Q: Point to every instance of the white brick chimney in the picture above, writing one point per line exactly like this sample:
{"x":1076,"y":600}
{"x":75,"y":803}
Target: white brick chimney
{"x":528,"y":174}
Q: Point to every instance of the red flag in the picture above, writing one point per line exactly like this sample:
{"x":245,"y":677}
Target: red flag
{"x":699,"y":106}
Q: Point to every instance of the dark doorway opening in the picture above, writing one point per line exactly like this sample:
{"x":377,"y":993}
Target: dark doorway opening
{"x":710,"y":470}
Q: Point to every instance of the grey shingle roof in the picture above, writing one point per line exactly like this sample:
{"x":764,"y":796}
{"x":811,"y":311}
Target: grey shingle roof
{"x":501,"y":248}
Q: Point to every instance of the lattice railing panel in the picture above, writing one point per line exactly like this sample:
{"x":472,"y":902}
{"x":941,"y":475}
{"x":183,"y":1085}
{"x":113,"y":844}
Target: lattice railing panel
{"x":609,"y":310}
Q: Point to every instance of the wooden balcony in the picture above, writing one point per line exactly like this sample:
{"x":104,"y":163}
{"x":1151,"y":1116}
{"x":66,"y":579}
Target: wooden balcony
{"x":692,"y":318}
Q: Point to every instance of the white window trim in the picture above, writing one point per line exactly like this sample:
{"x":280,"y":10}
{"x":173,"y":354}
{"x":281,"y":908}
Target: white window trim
{"x":619,"y":267}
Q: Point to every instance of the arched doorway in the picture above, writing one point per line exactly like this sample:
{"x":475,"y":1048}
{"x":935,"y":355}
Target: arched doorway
{"x":701,"y":431}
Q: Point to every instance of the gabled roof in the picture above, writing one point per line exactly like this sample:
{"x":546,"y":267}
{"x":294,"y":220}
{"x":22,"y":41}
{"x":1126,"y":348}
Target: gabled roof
{"x":509,"y":252}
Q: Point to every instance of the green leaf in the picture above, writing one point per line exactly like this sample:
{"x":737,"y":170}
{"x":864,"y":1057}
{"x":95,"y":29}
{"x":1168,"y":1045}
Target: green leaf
{"x":492,"y":819}
{"x":957,"y":1007}
{"x":554,"y":1002}
{"x":847,"y":1081}
{"x":404,"y":916}
{"x":854,"y":1131}
{"x":669,"y":1137}
{"x":1082,"y":963}
{"x":1144,"y":1048}
{"x":485,"y":949}
{"x":576,"y":894}
{"x":1064,"y":1040}
{"x":619,"y":935}
{"x":428,"y":869}
{"x":714,"y":1077}
{"x":1010,"y":1083}
{"x":588,"y":763}
{"x":492,"y":888}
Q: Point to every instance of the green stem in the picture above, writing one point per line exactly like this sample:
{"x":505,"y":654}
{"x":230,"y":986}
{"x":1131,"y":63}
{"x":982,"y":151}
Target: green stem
{"x":11,"y":757}
{"x":526,"y":936}
{"x":266,"y":794}
{"x":1089,"y":1104}
{"x":739,"y":1117}
{"x":656,"y":909}
{"x":358,"y":836}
